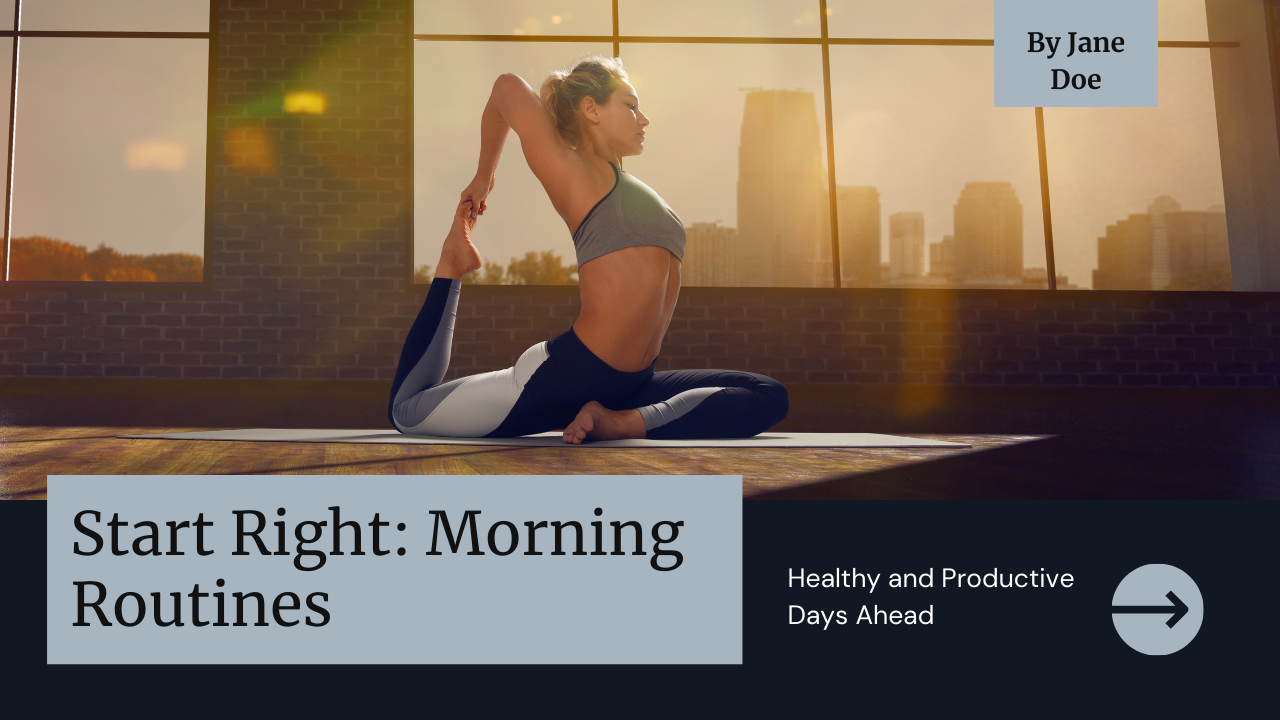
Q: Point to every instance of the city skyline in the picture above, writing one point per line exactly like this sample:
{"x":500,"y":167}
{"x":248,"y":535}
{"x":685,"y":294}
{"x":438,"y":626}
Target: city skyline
{"x":988,"y":256}
{"x":1195,"y":252}
{"x":1167,"y":246}
{"x":855,"y":251}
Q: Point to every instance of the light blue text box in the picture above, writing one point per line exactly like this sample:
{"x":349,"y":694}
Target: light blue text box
{"x":1125,"y":79}
{"x":411,"y":608}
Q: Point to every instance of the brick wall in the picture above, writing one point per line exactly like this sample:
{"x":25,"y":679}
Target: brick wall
{"x":307,"y":244}
{"x":934,"y":338}
{"x":307,"y":255}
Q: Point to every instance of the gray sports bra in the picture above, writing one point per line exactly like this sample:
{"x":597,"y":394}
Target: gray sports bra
{"x":631,"y":214}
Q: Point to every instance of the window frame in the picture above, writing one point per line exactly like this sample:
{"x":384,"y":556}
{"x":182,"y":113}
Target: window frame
{"x":206,"y":283}
{"x":825,"y":41}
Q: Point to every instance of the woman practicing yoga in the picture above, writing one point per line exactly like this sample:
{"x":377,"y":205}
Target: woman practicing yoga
{"x":596,"y":381}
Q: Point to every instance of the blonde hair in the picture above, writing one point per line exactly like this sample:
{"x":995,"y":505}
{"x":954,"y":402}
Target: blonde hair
{"x":562,"y":93}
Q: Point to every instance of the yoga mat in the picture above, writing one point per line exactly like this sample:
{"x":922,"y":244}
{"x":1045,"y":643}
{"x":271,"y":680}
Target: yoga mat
{"x":553,"y":439}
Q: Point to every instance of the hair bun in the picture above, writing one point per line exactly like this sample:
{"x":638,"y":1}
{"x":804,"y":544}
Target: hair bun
{"x":563,"y":91}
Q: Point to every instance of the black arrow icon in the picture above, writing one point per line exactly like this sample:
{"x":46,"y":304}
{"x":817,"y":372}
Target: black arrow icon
{"x":1178,"y":609}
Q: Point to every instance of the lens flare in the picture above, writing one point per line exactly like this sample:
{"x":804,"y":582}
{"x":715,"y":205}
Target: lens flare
{"x":305,"y":102}
{"x":250,"y":150}
{"x":530,"y":26}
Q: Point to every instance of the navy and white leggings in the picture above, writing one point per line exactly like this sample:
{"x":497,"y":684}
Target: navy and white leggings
{"x":551,"y":382}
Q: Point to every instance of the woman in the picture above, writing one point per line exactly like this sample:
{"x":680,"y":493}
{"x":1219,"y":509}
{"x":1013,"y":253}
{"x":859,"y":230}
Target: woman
{"x":596,"y":381}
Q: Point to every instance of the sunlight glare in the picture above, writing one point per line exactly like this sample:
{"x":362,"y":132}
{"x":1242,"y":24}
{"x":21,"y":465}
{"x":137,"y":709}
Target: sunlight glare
{"x":154,"y":154}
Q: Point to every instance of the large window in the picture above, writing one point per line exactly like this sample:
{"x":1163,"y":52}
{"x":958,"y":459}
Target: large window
{"x":107,"y":154}
{"x":845,"y":143}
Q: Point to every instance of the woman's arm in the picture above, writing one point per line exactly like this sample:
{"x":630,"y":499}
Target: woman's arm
{"x":513,"y":105}
{"x":493,"y":135}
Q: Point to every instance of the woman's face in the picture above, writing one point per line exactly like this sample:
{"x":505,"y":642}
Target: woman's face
{"x":621,"y":123}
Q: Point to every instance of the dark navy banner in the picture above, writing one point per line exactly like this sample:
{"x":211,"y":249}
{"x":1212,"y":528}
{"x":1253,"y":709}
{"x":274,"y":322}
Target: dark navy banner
{"x":1000,"y":608}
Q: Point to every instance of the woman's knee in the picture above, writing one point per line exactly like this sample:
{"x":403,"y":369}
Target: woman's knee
{"x":772,"y":401}
{"x":778,"y":401}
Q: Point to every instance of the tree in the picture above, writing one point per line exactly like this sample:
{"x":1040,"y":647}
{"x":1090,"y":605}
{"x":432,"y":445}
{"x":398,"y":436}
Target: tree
{"x":545,"y":268}
{"x":101,"y":260}
{"x":44,"y":258}
{"x":172,"y":267}
{"x":130,"y":274}
{"x":491,"y":274}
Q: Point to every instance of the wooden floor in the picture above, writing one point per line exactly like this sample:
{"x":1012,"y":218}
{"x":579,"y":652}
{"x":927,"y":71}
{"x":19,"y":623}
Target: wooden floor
{"x":28,"y":455}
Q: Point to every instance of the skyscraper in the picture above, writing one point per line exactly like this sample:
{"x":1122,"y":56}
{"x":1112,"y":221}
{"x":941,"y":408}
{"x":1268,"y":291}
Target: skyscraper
{"x":942,"y":257}
{"x":988,"y":231}
{"x":1165,"y":247}
{"x":859,"y":213}
{"x":1198,"y":245}
{"x":906,"y":244}
{"x":1124,"y":255}
{"x":710,"y":256}
{"x":1159,"y":209}
{"x":783,"y":227}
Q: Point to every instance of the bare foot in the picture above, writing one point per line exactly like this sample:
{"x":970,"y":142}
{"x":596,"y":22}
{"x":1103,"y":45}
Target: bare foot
{"x":596,"y":422}
{"x":458,"y":256}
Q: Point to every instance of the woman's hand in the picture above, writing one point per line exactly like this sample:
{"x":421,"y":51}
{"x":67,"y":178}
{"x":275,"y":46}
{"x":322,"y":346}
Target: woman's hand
{"x":476,"y":193}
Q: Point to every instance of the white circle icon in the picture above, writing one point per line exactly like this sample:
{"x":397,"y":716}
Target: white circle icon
{"x":1157,"y":609}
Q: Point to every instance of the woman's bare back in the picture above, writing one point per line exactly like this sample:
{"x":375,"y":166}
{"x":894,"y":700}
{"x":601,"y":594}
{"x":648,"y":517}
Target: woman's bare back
{"x":628,"y":295}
